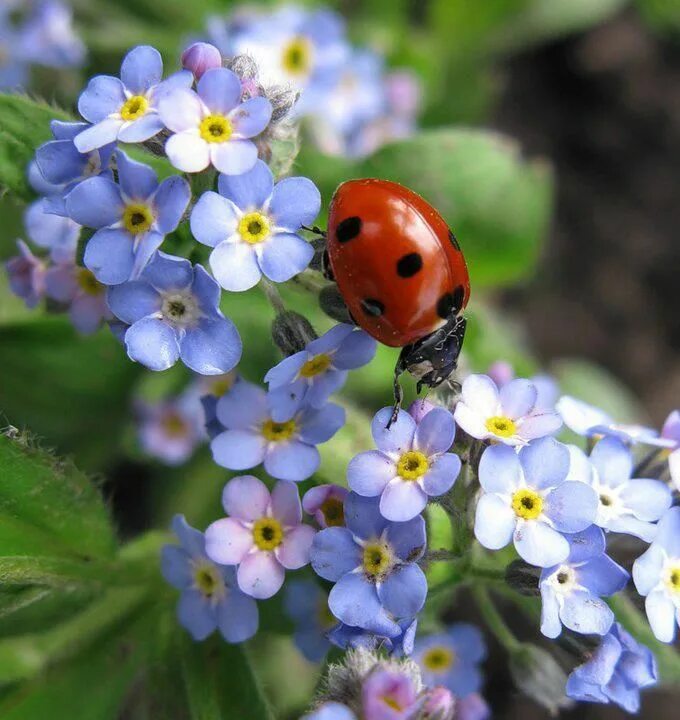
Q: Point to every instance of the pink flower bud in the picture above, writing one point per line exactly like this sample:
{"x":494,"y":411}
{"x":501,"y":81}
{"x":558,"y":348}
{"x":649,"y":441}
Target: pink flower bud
{"x":201,"y":57}
{"x":419,"y":409}
{"x":439,"y":704}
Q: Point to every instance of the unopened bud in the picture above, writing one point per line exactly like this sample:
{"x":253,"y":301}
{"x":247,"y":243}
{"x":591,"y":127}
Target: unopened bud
{"x":292,"y":332}
{"x":439,"y":704}
{"x":419,"y":409}
{"x":537,"y":674}
{"x":201,"y":57}
{"x":523,"y":578}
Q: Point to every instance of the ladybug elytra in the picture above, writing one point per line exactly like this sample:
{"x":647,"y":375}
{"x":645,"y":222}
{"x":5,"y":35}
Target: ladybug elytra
{"x":402,"y":275}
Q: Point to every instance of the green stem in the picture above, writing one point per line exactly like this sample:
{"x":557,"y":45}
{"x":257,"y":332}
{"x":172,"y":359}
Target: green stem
{"x":494,"y":620}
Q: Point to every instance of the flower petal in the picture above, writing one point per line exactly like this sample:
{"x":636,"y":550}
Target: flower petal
{"x":480,"y":394}
{"x":354,"y":601}
{"x":175,"y":566}
{"x":188,"y":152}
{"x":220,"y":90}
{"x":613,"y":461}
{"x":181,"y":110}
{"x":500,"y":470}
{"x":334,"y":553}
{"x":237,"y":617}
{"x":249,"y":191}
{"x":286,"y":505}
{"x":545,"y":463}
{"x":362,"y":516}
{"x":109,"y":255}
{"x":238,"y":449}
{"x":356,"y":350}
{"x":140,"y":130}
{"x":153,"y":343}
{"x":369,"y":473}
{"x":235,"y":266}
{"x":648,"y":499}
{"x":251,"y":117}
{"x":137,"y":180}
{"x":295,"y":202}
{"x":494,"y":522}
{"x":661,"y":615}
{"x":213,"y":219}
{"x":399,"y":437}
{"x":103,"y":96}
{"x":131,"y":301}
{"x":99,"y":135}
{"x":518,"y":398}
{"x":284,"y":256}
{"x":195,"y":614}
{"x":233,"y":157}
{"x":648,"y":568}
{"x":441,"y":475}
{"x":228,"y":541}
{"x":294,"y":551}
{"x":403,"y":592}
{"x":540,"y":545}
{"x":572,"y":506}
{"x":171,"y":200}
{"x":260,"y":575}
{"x":142,"y":68}
{"x":585,"y":613}
{"x":244,"y":406}
{"x":246,"y":497}
{"x":292,"y":460}
{"x":213,"y":347}
{"x":402,"y":500}
{"x":95,"y":203}
{"x":435,"y":432}
{"x":407,"y":539}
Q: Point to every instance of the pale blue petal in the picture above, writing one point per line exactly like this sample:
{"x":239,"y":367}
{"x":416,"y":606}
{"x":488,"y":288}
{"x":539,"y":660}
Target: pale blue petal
{"x":295,"y":202}
{"x":152,"y":343}
{"x":249,"y":191}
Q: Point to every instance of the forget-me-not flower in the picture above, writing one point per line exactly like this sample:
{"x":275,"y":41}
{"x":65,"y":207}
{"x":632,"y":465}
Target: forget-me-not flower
{"x":326,"y":504}
{"x":26,"y":274}
{"x":307,"y":605}
{"x":173,"y":313}
{"x":253,"y":226}
{"x":51,"y":232}
{"x":526,"y":499}
{"x":210,"y":597}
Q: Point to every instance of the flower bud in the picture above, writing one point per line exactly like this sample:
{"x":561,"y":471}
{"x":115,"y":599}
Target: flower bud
{"x":523,"y":577}
{"x":291,"y":332}
{"x":419,"y":409}
{"x":200,"y":57}
{"x":439,"y":704}
{"x":537,"y":674}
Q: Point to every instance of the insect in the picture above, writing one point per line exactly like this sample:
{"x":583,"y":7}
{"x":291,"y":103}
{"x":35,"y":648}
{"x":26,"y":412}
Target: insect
{"x":402,"y":275}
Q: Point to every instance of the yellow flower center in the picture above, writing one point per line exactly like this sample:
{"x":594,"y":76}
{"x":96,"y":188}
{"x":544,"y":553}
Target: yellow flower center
{"x":267,"y":533}
{"x":673,"y":578}
{"x":222,"y":385}
{"x":527,"y":504}
{"x":317,"y":365}
{"x":134,"y":108}
{"x":173,"y":424}
{"x":216,"y":129}
{"x":377,"y":559}
{"x":412,"y":465}
{"x":501,"y":426}
{"x":296,"y":57}
{"x":254,"y":228}
{"x":276,"y":432}
{"x":392,"y":703}
{"x":333,"y":511}
{"x":87,"y":282}
{"x":438,"y":659}
{"x":137,"y":218}
{"x":207,"y":579}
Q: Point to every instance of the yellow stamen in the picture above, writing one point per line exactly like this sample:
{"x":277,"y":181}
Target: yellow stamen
{"x":88,"y":283}
{"x":673,"y":578}
{"x":254,"y":228}
{"x":174,"y":425}
{"x":438,"y":659}
{"x":412,"y":465}
{"x":527,"y":504}
{"x":317,"y":365}
{"x":377,"y":559}
{"x":134,"y":108}
{"x":137,"y":218}
{"x":208,"y":580}
{"x":296,"y":57}
{"x":501,"y":426}
{"x":333,"y":511}
{"x":216,"y":129}
{"x":276,"y":432}
{"x":392,"y":703}
{"x":267,"y":533}
{"x":223,"y":384}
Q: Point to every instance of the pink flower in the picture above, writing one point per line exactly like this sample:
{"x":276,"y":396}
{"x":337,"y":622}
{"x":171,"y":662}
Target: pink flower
{"x":326,"y":504}
{"x":200,"y":57}
{"x":389,"y":695}
{"x":263,"y":534}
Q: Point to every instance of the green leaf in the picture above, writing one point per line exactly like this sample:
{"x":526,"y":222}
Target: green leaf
{"x":662,"y":15}
{"x":56,"y":504}
{"x":497,"y":203}
{"x":73,"y":391}
{"x":24,"y":125}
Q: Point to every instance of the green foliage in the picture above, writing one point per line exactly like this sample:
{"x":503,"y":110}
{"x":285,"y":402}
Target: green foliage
{"x":662,"y":15}
{"x":24,"y":124}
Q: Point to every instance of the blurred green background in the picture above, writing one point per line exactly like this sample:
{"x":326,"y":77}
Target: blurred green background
{"x":550,"y":143}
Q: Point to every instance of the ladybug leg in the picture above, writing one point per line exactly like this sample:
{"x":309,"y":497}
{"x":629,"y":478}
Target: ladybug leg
{"x":399,"y":368}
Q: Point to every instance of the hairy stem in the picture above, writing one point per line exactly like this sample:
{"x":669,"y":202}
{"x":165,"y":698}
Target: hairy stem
{"x":494,"y":620}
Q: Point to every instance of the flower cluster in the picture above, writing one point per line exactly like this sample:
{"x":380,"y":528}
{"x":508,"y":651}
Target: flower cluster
{"x":353,"y":105}
{"x":36,"y":33}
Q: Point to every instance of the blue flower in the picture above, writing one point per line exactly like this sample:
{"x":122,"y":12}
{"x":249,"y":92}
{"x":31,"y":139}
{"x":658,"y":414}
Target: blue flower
{"x":26,"y":274}
{"x":656,"y":574}
{"x":373,"y":564}
{"x":48,"y":38}
{"x":616,"y":672}
{"x":253,"y":226}
{"x":212,"y":126}
{"x":625,"y":504}
{"x":307,"y":605}
{"x":288,"y":450}
{"x":331,"y":711}
{"x":452,"y":659}
{"x":173,"y":313}
{"x":62,"y":165}
{"x":127,"y":109}
{"x":51,"y":232}
{"x":527,"y":500}
{"x":210,"y":597}
{"x":131,"y":218}
{"x":571,"y":591}
{"x":78,"y":288}
{"x":14,"y":67}
{"x":410,"y":465}
{"x":312,"y":375}
{"x":346,"y":636}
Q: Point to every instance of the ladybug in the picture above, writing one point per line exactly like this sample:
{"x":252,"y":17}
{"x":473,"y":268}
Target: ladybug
{"x":402,"y":275}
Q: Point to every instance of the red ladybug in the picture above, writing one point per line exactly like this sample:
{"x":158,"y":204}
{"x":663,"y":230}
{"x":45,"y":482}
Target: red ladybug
{"x":402,"y":275}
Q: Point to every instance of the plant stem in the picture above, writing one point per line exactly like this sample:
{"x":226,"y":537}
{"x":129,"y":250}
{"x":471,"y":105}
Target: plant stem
{"x":272,"y":294}
{"x":493,"y":619}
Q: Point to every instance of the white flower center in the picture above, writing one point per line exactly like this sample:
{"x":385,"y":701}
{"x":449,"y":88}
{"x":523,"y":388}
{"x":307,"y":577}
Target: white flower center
{"x":180,"y":309}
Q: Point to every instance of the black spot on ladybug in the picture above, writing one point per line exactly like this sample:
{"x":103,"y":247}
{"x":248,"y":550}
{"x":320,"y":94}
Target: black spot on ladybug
{"x":446,"y":305}
{"x":348,"y":229}
{"x":372,"y":307}
{"x":458,"y":297}
{"x":453,"y":240}
{"x":409,"y":265}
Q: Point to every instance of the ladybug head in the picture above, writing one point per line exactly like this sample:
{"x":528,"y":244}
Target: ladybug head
{"x":433,"y":358}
